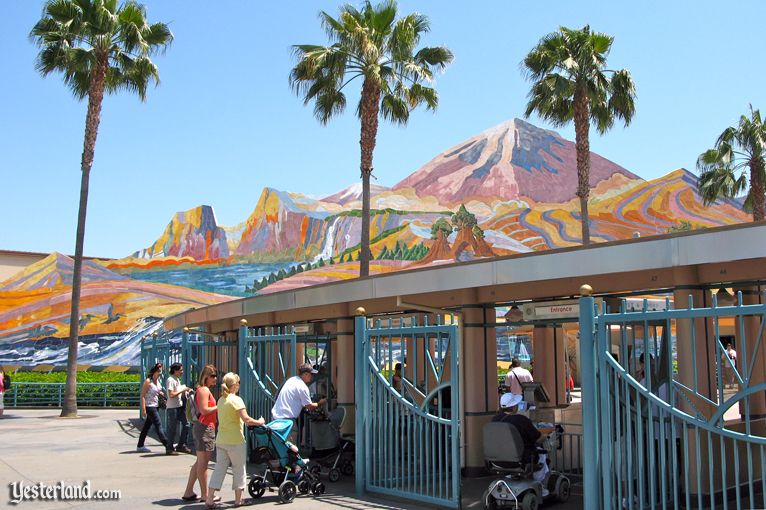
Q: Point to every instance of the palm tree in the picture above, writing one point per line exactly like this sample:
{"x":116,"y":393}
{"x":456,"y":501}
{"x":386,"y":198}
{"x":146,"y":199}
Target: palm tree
{"x":572,"y":83}
{"x":738,"y":148}
{"x":99,"y":47}
{"x":371,"y":44}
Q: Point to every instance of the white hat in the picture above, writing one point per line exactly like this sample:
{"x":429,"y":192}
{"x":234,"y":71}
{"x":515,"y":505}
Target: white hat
{"x":510,"y":400}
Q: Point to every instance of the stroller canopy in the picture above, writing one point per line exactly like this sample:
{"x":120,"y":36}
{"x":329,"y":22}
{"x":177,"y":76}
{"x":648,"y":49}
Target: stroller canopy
{"x":282,"y":428}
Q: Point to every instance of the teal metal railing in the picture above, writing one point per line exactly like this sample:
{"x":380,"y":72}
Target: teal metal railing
{"x":408,"y":429}
{"x":102,"y":394}
{"x":670,"y":419}
{"x":267,"y":357}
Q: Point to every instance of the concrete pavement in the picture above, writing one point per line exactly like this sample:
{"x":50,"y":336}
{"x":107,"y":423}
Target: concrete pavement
{"x":38,"y":446}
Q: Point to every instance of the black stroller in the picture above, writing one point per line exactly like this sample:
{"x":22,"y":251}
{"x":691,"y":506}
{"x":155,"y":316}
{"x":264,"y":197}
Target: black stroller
{"x":330,"y":450}
{"x":285,"y":468}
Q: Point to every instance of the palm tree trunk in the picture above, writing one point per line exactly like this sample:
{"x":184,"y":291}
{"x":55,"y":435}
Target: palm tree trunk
{"x":582,"y":144}
{"x":369,"y":117}
{"x":757,"y":190}
{"x":92,"y":120}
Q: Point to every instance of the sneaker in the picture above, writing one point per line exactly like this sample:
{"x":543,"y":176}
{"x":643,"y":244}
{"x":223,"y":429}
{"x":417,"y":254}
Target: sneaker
{"x":183,"y":449}
{"x":143,"y":449}
{"x":171,"y":452}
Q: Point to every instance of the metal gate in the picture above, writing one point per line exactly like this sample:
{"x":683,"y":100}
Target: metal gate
{"x":670,"y":419}
{"x":200,"y":349}
{"x":267,"y":358}
{"x":407,"y":426}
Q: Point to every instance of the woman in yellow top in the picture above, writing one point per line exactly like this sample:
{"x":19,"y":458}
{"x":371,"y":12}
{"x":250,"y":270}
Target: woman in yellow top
{"x":230,"y":442}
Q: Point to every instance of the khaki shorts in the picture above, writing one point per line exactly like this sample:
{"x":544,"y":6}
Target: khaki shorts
{"x":204,"y":437}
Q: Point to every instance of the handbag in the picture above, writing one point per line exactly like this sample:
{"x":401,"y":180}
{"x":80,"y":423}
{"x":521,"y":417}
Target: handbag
{"x":162,"y":401}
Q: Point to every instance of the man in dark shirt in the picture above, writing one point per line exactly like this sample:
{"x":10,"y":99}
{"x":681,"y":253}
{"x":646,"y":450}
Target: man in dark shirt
{"x":530,"y":435}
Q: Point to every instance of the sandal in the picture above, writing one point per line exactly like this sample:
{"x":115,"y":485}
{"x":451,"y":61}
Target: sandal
{"x":193,"y":497}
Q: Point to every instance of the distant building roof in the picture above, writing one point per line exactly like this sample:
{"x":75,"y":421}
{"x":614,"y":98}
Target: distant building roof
{"x":41,"y":254}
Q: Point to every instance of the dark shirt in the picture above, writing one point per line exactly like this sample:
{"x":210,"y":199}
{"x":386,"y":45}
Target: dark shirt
{"x":527,"y":430}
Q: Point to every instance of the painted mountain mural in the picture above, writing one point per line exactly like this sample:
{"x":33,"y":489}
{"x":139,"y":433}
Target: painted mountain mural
{"x":116,"y":311}
{"x":510,"y":189}
{"x":193,"y":233}
{"x":514,"y":160}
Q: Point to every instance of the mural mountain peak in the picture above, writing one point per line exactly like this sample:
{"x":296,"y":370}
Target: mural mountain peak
{"x":513,"y":160}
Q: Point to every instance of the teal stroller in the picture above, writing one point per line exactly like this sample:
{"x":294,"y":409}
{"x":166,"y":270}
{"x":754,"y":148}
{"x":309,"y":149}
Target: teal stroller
{"x":285,"y":468}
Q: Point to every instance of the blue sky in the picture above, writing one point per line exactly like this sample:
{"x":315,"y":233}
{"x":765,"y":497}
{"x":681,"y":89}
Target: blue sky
{"x":224,"y":123}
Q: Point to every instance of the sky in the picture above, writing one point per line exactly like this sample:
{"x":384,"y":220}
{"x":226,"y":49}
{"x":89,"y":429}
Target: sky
{"x":224,"y":123}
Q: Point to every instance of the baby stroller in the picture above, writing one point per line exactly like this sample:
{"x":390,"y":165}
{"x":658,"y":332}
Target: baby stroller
{"x":285,"y":468}
{"x":528,"y":481}
{"x":329,"y":450}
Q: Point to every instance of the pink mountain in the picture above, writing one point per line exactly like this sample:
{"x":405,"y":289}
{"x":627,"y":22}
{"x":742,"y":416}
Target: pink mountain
{"x":514,"y":160}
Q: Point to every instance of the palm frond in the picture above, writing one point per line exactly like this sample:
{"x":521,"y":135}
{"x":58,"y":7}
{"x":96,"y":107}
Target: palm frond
{"x":622,"y":95}
{"x":719,"y":182}
{"x":328,"y":104}
{"x":394,"y":108}
{"x":434,"y":56}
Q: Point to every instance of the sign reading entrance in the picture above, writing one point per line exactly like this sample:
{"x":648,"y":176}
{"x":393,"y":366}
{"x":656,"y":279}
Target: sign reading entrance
{"x":303,"y":329}
{"x":563,"y":309}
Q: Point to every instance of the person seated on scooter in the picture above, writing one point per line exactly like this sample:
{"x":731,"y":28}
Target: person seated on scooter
{"x":530,"y":435}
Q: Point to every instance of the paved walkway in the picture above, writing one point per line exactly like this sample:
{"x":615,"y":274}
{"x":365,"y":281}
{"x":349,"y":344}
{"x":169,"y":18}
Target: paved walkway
{"x":99,"y":447}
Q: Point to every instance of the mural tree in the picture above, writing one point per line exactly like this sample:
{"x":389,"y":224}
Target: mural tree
{"x":99,"y":47}
{"x":739,"y":148}
{"x":375,"y":46}
{"x":569,"y":72}
{"x":463,"y":219}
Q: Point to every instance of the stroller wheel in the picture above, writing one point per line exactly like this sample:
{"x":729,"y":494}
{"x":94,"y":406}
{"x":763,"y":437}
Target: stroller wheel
{"x":304,"y":487}
{"x":287,"y":491}
{"x":347,"y":468}
{"x":257,"y":486}
{"x":318,"y":489}
{"x":334,"y":475}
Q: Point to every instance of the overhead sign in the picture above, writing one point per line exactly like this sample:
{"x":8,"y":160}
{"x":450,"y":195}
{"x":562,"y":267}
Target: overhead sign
{"x":302,"y":329}
{"x":637,"y":304}
{"x":563,"y":309}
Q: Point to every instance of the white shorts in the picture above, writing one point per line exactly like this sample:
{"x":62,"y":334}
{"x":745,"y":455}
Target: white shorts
{"x":1,"y":401}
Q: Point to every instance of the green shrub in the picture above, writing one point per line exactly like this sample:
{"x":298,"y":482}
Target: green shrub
{"x":60,"y":377}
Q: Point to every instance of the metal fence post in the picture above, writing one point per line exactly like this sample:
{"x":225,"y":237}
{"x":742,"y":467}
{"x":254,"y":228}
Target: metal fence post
{"x":359,"y":398}
{"x":591,"y":491}
{"x":245,"y":374}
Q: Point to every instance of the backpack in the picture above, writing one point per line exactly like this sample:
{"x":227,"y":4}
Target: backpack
{"x":192,"y":411}
{"x":6,"y":382}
